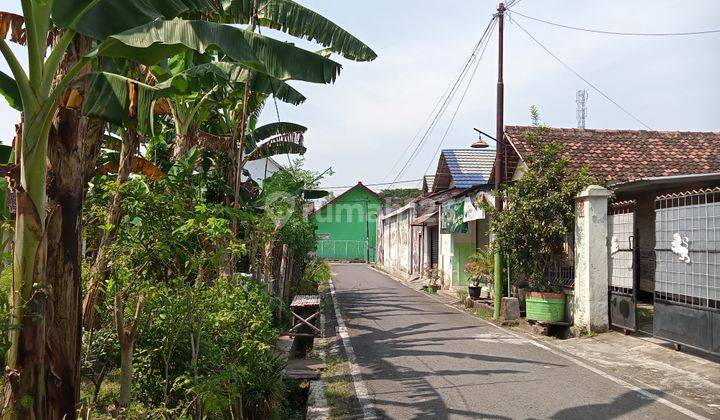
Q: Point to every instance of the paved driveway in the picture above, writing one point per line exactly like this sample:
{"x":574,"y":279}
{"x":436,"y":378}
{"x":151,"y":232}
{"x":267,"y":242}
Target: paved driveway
{"x":421,"y":359}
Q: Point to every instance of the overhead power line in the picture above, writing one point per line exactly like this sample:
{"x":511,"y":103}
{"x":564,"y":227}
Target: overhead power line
{"x":430,"y":115}
{"x":446,"y":102}
{"x":597,"y":89}
{"x":442,"y":104}
{"x":378,"y":184}
{"x":512,"y":4}
{"x":460,"y":102}
{"x":599,"y":31}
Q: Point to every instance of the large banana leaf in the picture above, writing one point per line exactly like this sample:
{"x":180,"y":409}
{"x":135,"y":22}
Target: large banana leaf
{"x":120,"y":100}
{"x":153,"y":42}
{"x":268,"y":85}
{"x":206,"y":75}
{"x":101,"y":18}
{"x":297,"y":20}
{"x":9,"y":89}
{"x":273,"y":129}
{"x":279,"y":145}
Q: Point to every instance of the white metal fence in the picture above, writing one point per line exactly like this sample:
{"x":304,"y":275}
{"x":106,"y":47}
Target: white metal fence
{"x":687,"y":248}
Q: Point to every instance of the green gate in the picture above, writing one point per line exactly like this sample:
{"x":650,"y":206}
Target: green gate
{"x":337,"y":249}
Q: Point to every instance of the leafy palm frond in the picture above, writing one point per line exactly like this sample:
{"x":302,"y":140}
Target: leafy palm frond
{"x":280,"y":145}
{"x":269,"y":130}
{"x":208,"y":74}
{"x":270,"y":86}
{"x":101,"y":18}
{"x":299,"y":21}
{"x":153,"y":42}
{"x":120,"y":100}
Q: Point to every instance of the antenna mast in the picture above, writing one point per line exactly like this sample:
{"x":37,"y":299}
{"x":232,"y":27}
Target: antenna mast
{"x":581,"y":98}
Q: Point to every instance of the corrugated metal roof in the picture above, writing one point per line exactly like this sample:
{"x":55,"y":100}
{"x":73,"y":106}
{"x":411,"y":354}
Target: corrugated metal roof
{"x":469,"y":167}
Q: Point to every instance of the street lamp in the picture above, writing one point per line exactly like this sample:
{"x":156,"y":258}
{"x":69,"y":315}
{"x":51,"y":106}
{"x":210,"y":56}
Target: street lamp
{"x":480,"y":143}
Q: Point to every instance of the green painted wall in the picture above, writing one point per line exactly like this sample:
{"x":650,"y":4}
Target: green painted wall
{"x":343,"y":226}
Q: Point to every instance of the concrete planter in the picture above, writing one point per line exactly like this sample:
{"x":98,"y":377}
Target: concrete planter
{"x":547,"y":307}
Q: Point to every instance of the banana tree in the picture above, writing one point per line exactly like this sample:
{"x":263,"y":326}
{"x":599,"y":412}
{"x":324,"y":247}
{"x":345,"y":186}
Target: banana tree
{"x":40,"y":92}
{"x":127,"y":102}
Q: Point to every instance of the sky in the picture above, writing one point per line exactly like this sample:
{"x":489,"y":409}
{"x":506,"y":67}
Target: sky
{"x":362,"y":124}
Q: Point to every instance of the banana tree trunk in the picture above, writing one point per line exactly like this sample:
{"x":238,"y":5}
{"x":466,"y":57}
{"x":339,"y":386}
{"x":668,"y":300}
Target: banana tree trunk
{"x":184,"y":142}
{"x":72,"y":153}
{"x":25,"y":374}
{"x":98,"y":271}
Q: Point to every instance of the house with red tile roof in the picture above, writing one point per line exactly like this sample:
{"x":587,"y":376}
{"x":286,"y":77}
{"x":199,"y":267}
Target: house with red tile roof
{"x":627,"y":157}
{"x":663,"y":222}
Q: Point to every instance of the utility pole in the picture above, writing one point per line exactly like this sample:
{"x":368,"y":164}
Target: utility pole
{"x":499,"y":159}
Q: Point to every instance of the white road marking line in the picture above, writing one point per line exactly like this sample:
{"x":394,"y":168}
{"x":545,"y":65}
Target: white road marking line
{"x":360,"y":389}
{"x":578,"y":362}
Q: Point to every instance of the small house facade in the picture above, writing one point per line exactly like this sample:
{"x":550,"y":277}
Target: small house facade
{"x":434,"y":230}
{"x":661,"y":226}
{"x":346,"y":225}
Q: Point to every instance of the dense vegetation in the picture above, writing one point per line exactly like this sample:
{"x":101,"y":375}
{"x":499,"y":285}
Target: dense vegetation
{"x":150,"y":275}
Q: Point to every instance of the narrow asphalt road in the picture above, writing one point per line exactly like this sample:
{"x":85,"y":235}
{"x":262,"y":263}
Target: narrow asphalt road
{"x":421,"y":359}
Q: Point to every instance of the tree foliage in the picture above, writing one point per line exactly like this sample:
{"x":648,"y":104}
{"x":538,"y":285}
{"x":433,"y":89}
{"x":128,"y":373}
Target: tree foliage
{"x":158,"y":101}
{"x":539,"y":217}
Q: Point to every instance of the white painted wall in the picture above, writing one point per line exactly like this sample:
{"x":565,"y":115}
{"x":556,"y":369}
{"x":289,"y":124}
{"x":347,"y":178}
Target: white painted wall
{"x":396,"y":236}
{"x":445,"y":257}
{"x":260,"y":168}
{"x":590,"y":301}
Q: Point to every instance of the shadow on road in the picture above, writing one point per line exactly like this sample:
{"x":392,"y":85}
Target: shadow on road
{"x":425,"y":340}
{"x":619,"y":407}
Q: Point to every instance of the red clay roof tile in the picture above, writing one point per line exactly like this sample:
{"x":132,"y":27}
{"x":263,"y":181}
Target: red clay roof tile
{"x":626,"y":155}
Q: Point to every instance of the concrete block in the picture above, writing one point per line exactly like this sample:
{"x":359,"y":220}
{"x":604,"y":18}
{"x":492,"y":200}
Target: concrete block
{"x":510,"y":308}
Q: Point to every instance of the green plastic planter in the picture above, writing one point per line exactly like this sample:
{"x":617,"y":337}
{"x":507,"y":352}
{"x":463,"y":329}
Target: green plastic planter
{"x":548,"y":307}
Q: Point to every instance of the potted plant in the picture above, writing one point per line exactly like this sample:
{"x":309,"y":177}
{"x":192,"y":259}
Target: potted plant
{"x":480,"y":269}
{"x":432,"y":276}
{"x":538,"y":220}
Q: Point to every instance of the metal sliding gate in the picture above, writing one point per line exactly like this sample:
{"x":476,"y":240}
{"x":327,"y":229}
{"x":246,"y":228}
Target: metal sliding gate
{"x":345,"y":250}
{"x":687,"y":270}
{"x":622,"y":272}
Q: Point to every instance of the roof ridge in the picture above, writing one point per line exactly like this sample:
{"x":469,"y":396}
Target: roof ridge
{"x":613,"y":130}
